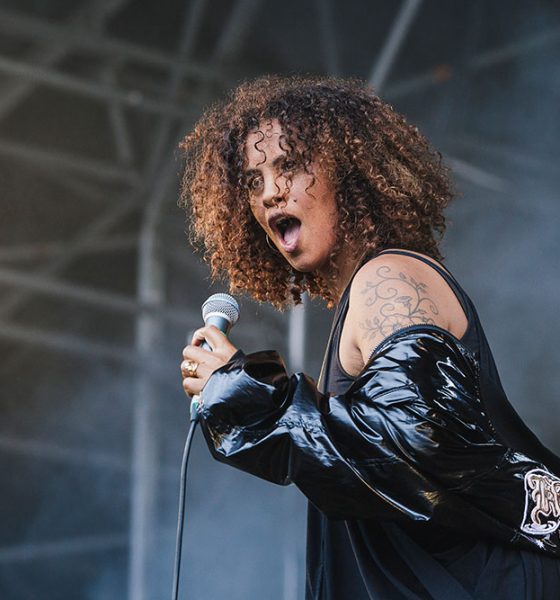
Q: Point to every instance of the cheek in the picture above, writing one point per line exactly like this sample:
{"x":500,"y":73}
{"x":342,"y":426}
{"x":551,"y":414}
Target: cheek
{"x":259,"y":215}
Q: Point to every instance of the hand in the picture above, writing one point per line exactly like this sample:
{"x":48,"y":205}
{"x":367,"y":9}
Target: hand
{"x":204,"y":362}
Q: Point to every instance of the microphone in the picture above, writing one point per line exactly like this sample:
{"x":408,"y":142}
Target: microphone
{"x":222,"y":311}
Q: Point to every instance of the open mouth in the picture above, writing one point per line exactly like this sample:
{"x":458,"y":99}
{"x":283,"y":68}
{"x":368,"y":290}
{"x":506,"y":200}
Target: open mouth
{"x":288,"y":229}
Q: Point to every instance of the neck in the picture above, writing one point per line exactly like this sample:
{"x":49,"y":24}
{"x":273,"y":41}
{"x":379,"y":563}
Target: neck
{"x":346,"y":263}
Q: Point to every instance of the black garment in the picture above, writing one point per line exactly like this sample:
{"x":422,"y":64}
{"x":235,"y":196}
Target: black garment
{"x":363,"y":559}
{"x":438,"y":494}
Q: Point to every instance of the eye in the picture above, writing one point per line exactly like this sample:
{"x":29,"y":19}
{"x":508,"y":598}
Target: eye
{"x":254,"y":183}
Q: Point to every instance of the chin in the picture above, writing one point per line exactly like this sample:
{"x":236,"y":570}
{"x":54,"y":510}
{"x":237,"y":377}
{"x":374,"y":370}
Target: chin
{"x":305,"y":264}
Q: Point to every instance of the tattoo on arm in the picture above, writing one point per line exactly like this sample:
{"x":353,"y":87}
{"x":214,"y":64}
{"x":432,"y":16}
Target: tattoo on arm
{"x":395,"y":308}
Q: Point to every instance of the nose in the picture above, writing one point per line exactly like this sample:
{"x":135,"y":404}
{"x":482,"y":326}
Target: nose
{"x":272,"y":194}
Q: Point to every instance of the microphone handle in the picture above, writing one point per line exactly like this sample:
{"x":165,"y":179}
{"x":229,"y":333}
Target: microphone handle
{"x":224,"y":325}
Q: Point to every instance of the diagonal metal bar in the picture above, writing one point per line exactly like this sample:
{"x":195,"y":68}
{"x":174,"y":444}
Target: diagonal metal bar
{"x":63,"y":547}
{"x":49,"y":55}
{"x":74,"y":36}
{"x":98,"y":298}
{"x":70,"y":343}
{"x":328,"y":31}
{"x":96,"y":90}
{"x":61,"y":160}
{"x":505,"y":152}
{"x":76,"y":546}
{"x":42,"y":250}
{"x":490,"y":58}
{"x":71,"y":455}
{"x":41,"y":450}
{"x":117,"y":119}
{"x":393,"y":43}
{"x":236,"y":29}
{"x":476,"y":175}
{"x":93,"y":231}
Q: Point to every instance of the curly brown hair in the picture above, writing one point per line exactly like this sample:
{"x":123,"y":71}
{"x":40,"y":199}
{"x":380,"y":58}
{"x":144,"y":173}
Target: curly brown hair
{"x":391,"y":186}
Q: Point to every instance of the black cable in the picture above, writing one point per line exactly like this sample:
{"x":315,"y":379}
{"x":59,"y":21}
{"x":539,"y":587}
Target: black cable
{"x":182,"y":493}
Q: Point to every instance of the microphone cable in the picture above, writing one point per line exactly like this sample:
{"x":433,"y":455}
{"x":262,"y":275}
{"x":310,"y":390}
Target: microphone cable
{"x":222,"y":312}
{"x":182,"y":494}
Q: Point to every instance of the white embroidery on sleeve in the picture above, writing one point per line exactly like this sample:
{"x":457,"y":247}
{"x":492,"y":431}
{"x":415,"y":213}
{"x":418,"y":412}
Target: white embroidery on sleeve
{"x":542,"y":503}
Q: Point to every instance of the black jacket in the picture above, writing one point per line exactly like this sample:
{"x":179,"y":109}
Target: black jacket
{"x":409,"y":441}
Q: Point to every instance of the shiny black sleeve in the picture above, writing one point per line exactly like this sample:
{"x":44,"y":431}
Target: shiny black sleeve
{"x":409,"y":440}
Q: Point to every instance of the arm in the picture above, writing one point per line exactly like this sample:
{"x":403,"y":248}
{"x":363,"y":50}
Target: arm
{"x":408,"y":441}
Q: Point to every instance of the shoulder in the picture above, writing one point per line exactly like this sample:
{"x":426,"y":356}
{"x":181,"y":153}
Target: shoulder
{"x":391,"y":292}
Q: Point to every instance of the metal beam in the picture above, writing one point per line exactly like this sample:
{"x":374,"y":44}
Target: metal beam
{"x":440,"y":73}
{"x":236,"y":28}
{"x":14,"y":93}
{"x":42,"y":250}
{"x":393,"y":43}
{"x":54,"y":159}
{"x":327,"y":31}
{"x":74,"y":546}
{"x":72,"y":344}
{"x":98,"y":298}
{"x":117,"y":119}
{"x":72,"y":455}
{"x":76,"y":37}
{"x":476,"y":175}
{"x":90,"y":89}
{"x":92,"y":232}
{"x":67,"y":455}
{"x":505,"y":152}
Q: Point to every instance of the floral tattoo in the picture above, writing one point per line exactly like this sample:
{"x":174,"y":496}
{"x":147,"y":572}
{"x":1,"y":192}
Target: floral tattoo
{"x":397,"y":309}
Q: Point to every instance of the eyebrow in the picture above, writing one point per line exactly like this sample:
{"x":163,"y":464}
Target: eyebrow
{"x":275,"y":163}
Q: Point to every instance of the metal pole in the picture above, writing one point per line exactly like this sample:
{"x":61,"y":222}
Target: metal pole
{"x":151,"y":290}
{"x":292,"y":500}
{"x":327,"y":31}
{"x":393,"y":43}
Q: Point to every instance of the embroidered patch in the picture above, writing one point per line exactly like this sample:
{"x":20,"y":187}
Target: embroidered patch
{"x":542,"y":503}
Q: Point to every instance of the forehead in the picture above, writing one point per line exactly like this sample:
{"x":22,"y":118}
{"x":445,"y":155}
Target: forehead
{"x":265,"y":144}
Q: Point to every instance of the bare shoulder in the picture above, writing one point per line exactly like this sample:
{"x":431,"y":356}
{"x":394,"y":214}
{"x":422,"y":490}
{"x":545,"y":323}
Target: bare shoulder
{"x":394,"y":291}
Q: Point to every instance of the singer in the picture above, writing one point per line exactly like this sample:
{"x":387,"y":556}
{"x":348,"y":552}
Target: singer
{"x":422,"y":480}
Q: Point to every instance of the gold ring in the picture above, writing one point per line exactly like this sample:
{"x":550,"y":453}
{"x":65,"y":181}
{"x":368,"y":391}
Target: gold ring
{"x":190,"y":368}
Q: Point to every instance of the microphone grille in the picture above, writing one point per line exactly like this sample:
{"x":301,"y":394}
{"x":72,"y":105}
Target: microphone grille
{"x":223,"y":304}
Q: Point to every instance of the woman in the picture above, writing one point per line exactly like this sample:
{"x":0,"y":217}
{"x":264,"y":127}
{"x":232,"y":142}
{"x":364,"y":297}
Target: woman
{"x":422,"y":480}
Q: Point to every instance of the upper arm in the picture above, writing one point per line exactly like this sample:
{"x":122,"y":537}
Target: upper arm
{"x":389,"y":293}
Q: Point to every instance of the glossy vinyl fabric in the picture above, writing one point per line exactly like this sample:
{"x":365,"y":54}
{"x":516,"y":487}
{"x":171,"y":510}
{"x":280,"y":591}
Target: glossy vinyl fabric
{"x":408,"y":442}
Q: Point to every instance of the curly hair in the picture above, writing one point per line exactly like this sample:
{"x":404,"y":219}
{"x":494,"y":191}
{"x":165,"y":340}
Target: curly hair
{"x":391,"y":186}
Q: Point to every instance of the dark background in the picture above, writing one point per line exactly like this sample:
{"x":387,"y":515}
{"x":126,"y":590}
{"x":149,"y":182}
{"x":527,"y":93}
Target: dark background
{"x":98,"y":286}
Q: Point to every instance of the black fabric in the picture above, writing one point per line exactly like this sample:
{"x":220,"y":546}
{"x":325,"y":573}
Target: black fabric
{"x":366,"y":559}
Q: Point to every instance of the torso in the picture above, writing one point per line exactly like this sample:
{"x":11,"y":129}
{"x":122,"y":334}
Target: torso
{"x":357,"y":559}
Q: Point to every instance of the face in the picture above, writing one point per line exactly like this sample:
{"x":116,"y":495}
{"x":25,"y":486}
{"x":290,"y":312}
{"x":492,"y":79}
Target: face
{"x":296,"y":209}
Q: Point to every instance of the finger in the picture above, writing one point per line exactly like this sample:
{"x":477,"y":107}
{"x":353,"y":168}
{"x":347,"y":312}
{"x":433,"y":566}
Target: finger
{"x":197,"y":354}
{"x":202,"y":371}
{"x":212,"y":335}
{"x":193,"y":386}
